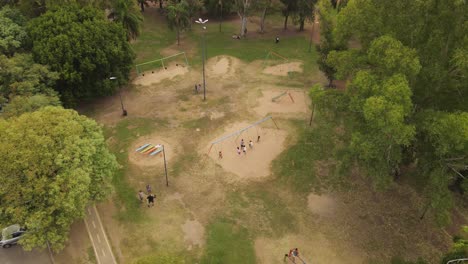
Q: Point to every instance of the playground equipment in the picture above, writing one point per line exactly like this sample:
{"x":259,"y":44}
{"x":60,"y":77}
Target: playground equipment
{"x":458,"y":261}
{"x":273,"y":56}
{"x":239,"y":132}
{"x":276,"y":98}
{"x":150,"y":149}
{"x":180,"y":59}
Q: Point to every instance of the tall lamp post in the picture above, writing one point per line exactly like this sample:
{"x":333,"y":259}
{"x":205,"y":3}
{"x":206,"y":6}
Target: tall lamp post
{"x":124,"y":112}
{"x":165,"y":166}
{"x":202,"y":22}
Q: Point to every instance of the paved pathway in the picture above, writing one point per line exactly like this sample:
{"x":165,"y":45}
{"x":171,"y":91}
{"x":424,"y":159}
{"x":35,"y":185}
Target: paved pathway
{"x":16,"y":255}
{"x":98,"y":237}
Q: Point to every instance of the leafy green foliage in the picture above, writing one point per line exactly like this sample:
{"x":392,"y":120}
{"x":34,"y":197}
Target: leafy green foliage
{"x":12,"y":32}
{"x":304,"y":12}
{"x":54,"y":162}
{"x":25,"y":86}
{"x":178,"y":16}
{"x":127,"y":13}
{"x":84,"y":48}
{"x":380,"y":103}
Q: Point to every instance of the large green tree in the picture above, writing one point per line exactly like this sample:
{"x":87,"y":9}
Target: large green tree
{"x":178,"y":16}
{"x":126,"y":13}
{"x":12,"y":31}
{"x":25,"y":86}
{"x":84,"y":48}
{"x":54,"y":163}
{"x":407,"y":82}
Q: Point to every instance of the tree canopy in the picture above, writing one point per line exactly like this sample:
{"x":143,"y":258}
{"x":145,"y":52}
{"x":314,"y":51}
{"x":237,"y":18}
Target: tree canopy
{"x":406,"y":95}
{"x":84,"y":48}
{"x":12,"y":32}
{"x":54,"y":162}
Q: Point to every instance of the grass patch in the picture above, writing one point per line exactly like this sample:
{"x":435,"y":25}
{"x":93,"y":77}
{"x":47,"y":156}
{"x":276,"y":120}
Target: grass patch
{"x":228,"y":243}
{"x":124,"y":133}
{"x":155,"y":35}
{"x":296,"y":166}
{"x":91,"y":255}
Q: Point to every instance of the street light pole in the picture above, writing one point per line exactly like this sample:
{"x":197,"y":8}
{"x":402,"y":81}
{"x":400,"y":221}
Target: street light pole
{"x":201,"y":21}
{"x":124,"y":112}
{"x":165,"y":167}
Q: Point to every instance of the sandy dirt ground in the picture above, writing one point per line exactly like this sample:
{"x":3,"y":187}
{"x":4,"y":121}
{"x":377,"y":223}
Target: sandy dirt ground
{"x":154,"y":77}
{"x":76,"y":248}
{"x":194,"y":233}
{"x":283,"y":69}
{"x":322,"y":205}
{"x":315,"y":248}
{"x":255,"y":164}
{"x":144,"y":159}
{"x":283,"y":104}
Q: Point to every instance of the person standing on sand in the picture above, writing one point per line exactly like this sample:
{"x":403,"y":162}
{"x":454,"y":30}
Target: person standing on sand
{"x":250,"y":144}
{"x":242,"y":142}
{"x":238,"y":151}
{"x":141,"y":195}
{"x":151,"y":198}
{"x":220,"y":155}
{"x":244,"y":148}
{"x":258,"y":139}
{"x":148,"y":188}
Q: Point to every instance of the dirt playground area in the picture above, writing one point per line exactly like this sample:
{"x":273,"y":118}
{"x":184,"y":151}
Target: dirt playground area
{"x":205,"y":190}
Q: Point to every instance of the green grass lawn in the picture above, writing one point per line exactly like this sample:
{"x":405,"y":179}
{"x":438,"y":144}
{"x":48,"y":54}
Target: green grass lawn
{"x":228,"y":243}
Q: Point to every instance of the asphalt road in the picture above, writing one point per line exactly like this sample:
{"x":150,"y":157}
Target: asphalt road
{"x":98,"y":237}
{"x":16,"y":255}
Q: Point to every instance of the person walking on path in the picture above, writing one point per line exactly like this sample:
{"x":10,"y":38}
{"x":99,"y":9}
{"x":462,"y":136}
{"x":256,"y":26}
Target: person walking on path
{"x":242,"y":142}
{"x":238,"y":151}
{"x":141,"y":195}
{"x":148,"y":188}
{"x":244,"y":149}
{"x":250,"y":144}
{"x":220,"y":155}
{"x":151,"y":198}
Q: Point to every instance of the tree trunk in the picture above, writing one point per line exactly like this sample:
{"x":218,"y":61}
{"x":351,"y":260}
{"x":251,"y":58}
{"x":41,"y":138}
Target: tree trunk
{"x":160,"y":4}
{"x":301,"y":25}
{"x":262,"y":21}
{"x":286,"y":21}
{"x":243,"y":26}
{"x":142,"y":6}
{"x":178,"y":36}
{"x":220,"y":14}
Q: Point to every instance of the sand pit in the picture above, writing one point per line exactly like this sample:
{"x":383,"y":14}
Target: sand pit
{"x":146,"y":160}
{"x":283,"y":104}
{"x":194,"y":233}
{"x":321,"y":205}
{"x":255,"y":165}
{"x":283,"y":69}
{"x":222,"y":66}
{"x":161,"y":74}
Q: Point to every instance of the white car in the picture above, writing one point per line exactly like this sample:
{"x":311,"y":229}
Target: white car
{"x":11,"y":235}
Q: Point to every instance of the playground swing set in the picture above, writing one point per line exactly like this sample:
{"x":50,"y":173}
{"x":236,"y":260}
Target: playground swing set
{"x":278,"y":97}
{"x":159,"y":63}
{"x":240,"y":132}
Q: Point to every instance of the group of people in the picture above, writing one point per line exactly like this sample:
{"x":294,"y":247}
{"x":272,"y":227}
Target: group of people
{"x":197,"y":88}
{"x":150,"y":197}
{"x":242,"y":148}
{"x":292,"y":255}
